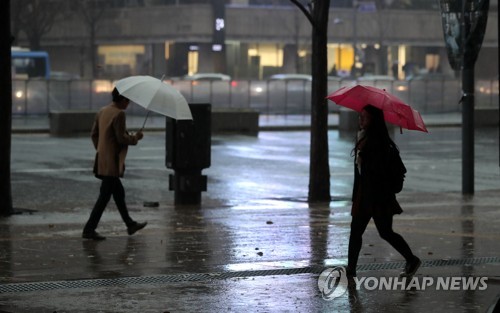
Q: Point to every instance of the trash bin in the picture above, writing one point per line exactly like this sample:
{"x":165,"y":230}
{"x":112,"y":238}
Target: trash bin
{"x":188,"y":151}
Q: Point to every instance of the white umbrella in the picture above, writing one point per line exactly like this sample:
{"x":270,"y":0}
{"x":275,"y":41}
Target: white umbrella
{"x":155,"y":95}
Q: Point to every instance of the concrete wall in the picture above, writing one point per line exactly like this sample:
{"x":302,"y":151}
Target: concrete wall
{"x":255,"y":24}
{"x":153,"y":26}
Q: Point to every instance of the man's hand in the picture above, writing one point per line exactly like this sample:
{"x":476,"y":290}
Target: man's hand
{"x":139,"y":135}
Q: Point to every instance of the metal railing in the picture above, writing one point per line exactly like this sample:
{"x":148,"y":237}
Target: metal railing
{"x":266,"y":96}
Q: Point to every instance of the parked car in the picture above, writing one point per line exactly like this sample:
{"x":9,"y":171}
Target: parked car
{"x":64,"y":75}
{"x":335,"y":78}
{"x":433,"y":92}
{"x":206,"y":87}
{"x":430,"y":76}
{"x":486,"y":93}
{"x":207,"y":77}
{"x":290,"y":93}
{"x":375,"y":78}
{"x":302,"y":77}
{"x":290,"y":77}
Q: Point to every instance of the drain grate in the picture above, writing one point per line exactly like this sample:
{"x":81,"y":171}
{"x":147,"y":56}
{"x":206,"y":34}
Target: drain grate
{"x":429,"y":263}
{"x":162,"y":279}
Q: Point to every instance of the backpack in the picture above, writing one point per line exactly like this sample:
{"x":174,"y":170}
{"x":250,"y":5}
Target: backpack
{"x":396,"y":169}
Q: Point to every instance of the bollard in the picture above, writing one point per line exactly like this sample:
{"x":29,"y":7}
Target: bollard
{"x":188,"y":152}
{"x":348,"y":120}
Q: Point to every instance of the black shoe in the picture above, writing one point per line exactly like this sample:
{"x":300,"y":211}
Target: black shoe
{"x":93,"y":235}
{"x":135,"y":227}
{"x":411,"y":268}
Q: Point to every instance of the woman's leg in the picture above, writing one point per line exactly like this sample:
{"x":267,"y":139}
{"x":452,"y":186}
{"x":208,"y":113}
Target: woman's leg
{"x":384,"y":227}
{"x":358,"y":227}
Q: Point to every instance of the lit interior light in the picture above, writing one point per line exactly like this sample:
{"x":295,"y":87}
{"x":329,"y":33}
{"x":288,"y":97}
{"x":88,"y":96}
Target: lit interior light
{"x":219,"y":24}
{"x":216,"y":47}
{"x":252,"y":52}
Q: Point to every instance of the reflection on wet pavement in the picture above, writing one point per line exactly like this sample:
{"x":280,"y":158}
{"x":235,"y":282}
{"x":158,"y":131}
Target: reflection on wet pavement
{"x":254,"y":217}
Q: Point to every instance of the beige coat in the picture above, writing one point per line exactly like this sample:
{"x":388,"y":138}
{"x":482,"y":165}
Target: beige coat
{"x":111,"y":141}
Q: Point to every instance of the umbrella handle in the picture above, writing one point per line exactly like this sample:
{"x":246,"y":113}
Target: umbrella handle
{"x":144,"y":124}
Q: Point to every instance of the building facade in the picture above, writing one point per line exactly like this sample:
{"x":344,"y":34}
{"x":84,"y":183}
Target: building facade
{"x":248,"y":40}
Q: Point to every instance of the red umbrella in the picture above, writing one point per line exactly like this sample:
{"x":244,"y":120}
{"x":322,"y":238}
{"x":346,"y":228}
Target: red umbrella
{"x":395,"y":110}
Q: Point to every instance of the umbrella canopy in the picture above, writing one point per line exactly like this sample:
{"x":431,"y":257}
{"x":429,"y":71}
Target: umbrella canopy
{"x":155,"y":95}
{"x":395,"y":110}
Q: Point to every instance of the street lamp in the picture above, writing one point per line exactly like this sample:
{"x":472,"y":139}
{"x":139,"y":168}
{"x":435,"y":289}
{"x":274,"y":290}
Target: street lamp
{"x":464,"y":23}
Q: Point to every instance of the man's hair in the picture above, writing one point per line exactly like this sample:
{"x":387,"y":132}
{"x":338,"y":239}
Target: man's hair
{"x":117,"y":97}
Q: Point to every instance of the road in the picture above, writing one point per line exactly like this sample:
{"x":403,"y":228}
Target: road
{"x":272,"y":165}
{"x":254,"y":244}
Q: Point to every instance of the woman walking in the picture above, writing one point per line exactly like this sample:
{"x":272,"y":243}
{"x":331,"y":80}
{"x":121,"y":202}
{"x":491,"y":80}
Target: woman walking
{"x":373,"y":196}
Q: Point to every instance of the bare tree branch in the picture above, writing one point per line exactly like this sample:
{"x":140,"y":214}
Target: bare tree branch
{"x":92,"y":12}
{"x":36,"y":18}
{"x":304,"y":10}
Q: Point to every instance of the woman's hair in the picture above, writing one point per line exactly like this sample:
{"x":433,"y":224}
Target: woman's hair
{"x":116,"y":96}
{"x":377,"y":126}
{"x":376,"y":134}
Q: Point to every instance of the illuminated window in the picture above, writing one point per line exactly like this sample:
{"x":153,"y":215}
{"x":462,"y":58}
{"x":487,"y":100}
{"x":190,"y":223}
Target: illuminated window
{"x":121,"y":55}
{"x":252,"y":52}
{"x":192,"y":62}
{"x":342,"y":55}
{"x":123,"y":60}
{"x":167,"y":50}
{"x":431,"y":61}
{"x":270,"y":54}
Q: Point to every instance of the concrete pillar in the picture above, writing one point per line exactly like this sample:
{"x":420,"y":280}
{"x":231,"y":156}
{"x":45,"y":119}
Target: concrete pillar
{"x":159,"y":63}
{"x":290,"y":59}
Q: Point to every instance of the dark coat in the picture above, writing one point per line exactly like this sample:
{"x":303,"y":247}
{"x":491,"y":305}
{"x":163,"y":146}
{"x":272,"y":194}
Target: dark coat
{"x":372,"y":195}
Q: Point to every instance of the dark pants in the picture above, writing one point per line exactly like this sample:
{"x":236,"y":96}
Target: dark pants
{"x":384,"y":227}
{"x":110,"y":186}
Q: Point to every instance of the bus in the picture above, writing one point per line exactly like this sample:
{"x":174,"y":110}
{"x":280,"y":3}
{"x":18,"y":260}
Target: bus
{"x":30,"y":64}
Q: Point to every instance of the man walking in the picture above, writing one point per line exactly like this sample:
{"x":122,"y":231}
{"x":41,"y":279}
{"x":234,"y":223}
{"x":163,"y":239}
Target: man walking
{"x":111,"y":141}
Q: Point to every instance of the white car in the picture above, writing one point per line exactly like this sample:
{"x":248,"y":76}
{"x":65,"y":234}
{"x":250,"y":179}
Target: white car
{"x":375,"y":78}
{"x":290,"y":77}
{"x":207,"y":77}
{"x":296,"y":77}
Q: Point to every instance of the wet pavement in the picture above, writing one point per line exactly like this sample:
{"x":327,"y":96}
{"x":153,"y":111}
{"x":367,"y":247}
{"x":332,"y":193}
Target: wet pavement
{"x":254,"y":244}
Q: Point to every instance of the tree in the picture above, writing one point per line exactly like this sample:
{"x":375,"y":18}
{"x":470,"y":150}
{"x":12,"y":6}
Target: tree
{"x":92,"y":12}
{"x":5,"y":110}
{"x":382,"y":29}
{"x":319,"y":168}
{"x":36,"y":18}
